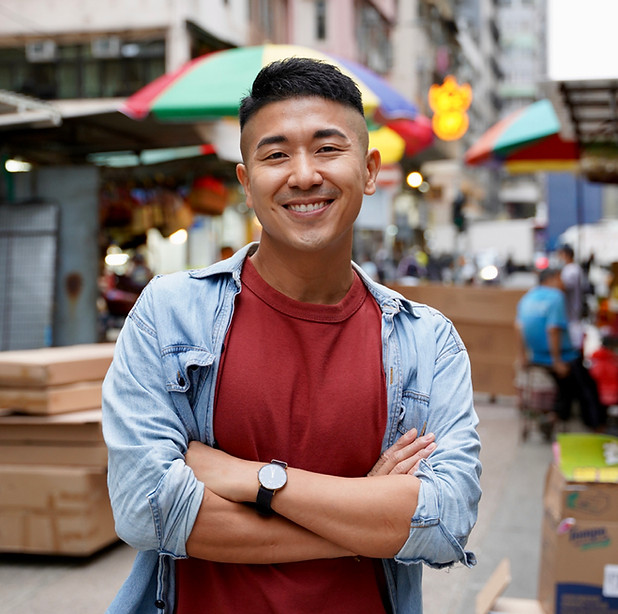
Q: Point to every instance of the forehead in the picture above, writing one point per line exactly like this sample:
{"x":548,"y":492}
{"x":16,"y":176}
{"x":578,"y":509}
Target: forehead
{"x":302,"y":117}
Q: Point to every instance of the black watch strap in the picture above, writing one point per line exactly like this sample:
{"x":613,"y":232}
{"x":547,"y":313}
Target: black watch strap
{"x":263,"y":500}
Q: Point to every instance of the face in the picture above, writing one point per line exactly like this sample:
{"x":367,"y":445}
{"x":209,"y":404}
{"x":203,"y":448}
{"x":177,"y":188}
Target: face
{"x":306,"y":169}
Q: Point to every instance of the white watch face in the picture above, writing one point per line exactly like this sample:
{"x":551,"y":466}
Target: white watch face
{"x":272,"y":476}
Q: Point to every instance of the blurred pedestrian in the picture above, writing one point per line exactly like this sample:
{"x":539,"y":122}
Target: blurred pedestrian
{"x":138,"y":272}
{"x":573,"y":283}
{"x":288,"y":351}
{"x":543,"y":325}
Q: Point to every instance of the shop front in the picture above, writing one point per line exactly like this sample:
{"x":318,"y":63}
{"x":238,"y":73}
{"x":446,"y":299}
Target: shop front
{"x":117,"y":211}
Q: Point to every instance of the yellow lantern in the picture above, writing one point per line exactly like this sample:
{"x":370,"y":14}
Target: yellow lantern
{"x":449,"y":102}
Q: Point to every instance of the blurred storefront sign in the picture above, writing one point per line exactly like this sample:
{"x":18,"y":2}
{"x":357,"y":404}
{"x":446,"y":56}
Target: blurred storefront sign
{"x":208,"y":195}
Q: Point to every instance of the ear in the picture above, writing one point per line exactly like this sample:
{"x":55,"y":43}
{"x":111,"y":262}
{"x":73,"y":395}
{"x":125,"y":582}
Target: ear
{"x":243,"y":178}
{"x":374,"y":162}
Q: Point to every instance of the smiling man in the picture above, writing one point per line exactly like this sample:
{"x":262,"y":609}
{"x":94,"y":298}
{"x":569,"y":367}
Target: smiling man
{"x":264,"y":415}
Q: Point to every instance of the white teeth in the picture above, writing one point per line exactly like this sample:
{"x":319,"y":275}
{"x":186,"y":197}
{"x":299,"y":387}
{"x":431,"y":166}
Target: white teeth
{"x":307,"y":208}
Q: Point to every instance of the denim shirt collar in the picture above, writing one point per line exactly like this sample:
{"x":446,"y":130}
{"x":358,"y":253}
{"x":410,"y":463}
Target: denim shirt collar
{"x":390,"y":302}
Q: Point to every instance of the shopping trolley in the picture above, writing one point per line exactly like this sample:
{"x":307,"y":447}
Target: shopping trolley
{"x":536,"y":392}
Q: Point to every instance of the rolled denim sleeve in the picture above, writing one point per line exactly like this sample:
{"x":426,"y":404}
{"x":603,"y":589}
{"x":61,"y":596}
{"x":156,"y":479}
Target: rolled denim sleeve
{"x":450,"y":479}
{"x":155,"y":497}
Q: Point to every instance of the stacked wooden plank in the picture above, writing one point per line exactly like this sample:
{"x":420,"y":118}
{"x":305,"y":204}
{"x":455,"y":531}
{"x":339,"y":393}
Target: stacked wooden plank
{"x":53,"y":460}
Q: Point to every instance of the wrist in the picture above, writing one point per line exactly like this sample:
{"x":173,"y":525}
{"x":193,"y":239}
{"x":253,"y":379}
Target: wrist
{"x":246,"y":483}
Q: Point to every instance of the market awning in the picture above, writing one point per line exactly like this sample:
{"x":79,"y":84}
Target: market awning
{"x":67,"y":131}
{"x":588,"y":110}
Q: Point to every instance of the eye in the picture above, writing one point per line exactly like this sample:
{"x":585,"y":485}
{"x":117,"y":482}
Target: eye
{"x":328,"y":149}
{"x":277,"y":155}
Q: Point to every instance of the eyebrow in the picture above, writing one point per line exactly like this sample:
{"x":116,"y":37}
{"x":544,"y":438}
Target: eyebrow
{"x":318,"y":134}
{"x":269,"y":140}
{"x":327,"y":132}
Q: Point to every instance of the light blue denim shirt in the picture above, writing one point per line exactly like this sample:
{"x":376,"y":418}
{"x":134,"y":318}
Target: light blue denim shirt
{"x":158,"y":396}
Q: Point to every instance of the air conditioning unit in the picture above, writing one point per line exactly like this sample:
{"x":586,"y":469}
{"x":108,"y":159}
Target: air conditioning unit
{"x":41,"y":51}
{"x":108,"y":47}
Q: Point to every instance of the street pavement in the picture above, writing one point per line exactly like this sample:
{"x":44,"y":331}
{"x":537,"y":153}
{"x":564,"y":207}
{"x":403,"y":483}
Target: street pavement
{"x":509,"y":525}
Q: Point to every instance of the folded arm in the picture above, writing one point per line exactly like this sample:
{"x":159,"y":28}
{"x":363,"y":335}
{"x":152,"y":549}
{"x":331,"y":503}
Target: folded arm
{"x":329,"y":516}
{"x":230,"y":532}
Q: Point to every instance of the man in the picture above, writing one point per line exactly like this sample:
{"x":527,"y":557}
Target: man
{"x":288,"y":353}
{"x":573,"y":285}
{"x":544,"y":340}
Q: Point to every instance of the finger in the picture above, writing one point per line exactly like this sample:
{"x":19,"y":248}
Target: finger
{"x":411,"y":463}
{"x":413,"y":448}
{"x":388,"y":459}
{"x":396,"y":455}
{"x":407,"y":438}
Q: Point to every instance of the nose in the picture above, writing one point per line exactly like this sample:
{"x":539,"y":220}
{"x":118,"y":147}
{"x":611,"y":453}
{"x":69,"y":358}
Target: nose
{"x":304,"y":172}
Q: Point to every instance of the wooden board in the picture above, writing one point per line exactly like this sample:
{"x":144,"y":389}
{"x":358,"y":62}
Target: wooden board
{"x":52,"y":399}
{"x":94,"y":455}
{"x":54,"y":366}
{"x":485,"y":319}
{"x":75,"y":427}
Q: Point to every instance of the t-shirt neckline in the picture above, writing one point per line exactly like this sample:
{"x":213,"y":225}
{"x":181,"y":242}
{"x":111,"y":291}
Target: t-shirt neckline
{"x":313,"y":312}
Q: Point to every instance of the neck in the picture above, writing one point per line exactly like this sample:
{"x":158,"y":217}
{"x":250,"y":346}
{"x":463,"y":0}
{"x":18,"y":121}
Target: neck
{"x":319,"y":278}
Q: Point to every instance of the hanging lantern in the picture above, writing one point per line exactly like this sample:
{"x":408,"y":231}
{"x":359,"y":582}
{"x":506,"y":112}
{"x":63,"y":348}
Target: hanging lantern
{"x":449,"y":102}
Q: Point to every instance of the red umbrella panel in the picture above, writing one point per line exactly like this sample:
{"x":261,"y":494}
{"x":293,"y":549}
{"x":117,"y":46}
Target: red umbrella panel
{"x":551,"y":154}
{"x":417,"y":134}
{"x":398,"y":138}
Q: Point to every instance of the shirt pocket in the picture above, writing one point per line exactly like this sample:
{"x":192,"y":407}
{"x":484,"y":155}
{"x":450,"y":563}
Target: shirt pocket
{"x":414,"y":412}
{"x":186,"y":370}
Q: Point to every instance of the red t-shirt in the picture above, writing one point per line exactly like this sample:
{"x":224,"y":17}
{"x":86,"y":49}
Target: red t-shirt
{"x":303,"y":383}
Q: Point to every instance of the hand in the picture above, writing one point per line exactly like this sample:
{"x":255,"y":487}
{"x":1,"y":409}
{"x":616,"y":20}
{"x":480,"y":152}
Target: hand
{"x":561,"y":368}
{"x":521,"y":363}
{"x":405,"y":455}
{"x":229,"y":477}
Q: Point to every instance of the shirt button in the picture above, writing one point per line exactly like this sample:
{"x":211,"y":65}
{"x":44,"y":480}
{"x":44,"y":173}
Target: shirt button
{"x":160,"y":604}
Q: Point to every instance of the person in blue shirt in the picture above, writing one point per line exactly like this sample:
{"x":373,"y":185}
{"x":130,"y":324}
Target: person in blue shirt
{"x":543,"y":327}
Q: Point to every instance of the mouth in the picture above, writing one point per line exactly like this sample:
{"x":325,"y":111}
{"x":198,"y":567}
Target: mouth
{"x":308,"y":207}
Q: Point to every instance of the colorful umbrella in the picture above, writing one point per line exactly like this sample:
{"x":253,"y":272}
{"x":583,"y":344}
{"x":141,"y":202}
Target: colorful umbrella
{"x":211,"y":86}
{"x":401,"y":137}
{"x":524,"y":128}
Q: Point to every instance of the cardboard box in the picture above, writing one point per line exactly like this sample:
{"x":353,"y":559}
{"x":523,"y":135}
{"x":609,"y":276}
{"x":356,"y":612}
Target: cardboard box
{"x":55,"y":366}
{"x":579,"y":552}
{"x":54,"y":510}
{"x":74,"y":439}
{"x":490,"y":601}
{"x":52,"y":399}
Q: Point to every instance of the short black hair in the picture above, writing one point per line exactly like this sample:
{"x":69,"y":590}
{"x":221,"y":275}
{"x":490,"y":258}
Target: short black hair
{"x":549,"y":273}
{"x":299,"y":77}
{"x":567,"y":249}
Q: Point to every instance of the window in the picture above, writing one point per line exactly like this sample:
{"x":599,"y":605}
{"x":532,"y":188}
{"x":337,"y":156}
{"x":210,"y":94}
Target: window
{"x":373,"y":36}
{"x":88,"y":70}
{"x":320,"y":19}
{"x":269,"y":18}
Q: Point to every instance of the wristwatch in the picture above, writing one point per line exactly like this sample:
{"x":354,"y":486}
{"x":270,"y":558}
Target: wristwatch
{"x":272,"y":477}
